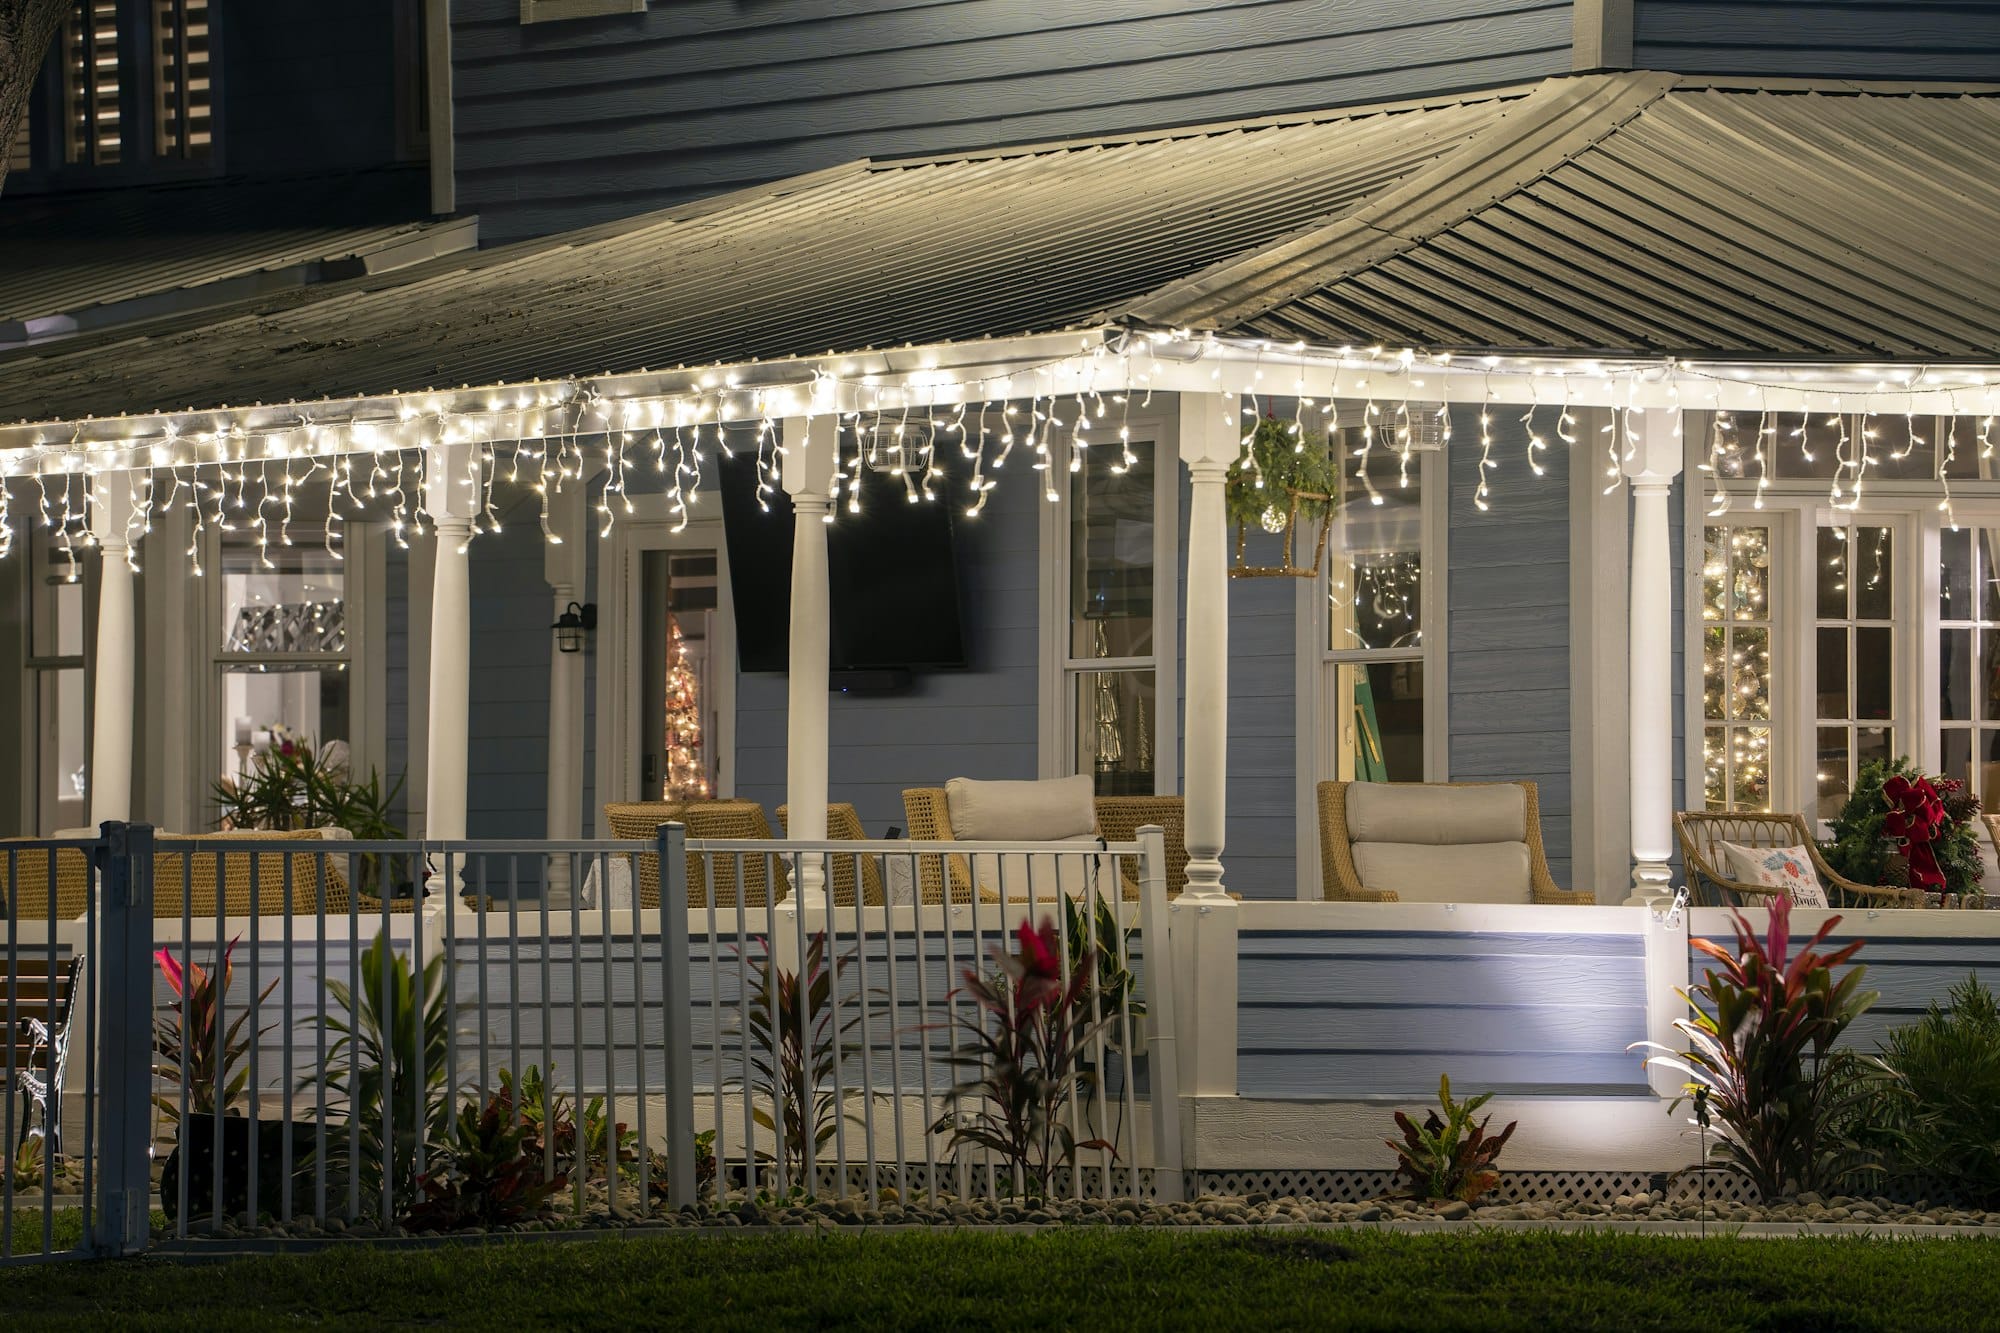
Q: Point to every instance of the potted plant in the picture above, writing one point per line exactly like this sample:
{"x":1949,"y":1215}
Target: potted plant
{"x":1903,"y":828}
{"x":294,"y":785}
{"x":1285,"y":475}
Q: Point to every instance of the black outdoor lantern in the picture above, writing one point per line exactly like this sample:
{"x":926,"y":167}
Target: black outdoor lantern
{"x":577,"y":620}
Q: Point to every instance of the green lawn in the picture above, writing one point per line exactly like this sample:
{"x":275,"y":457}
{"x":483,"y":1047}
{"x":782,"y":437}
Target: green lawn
{"x":1088,"y":1280}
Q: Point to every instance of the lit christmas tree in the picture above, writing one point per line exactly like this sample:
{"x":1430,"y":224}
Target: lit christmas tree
{"x":685,"y":779}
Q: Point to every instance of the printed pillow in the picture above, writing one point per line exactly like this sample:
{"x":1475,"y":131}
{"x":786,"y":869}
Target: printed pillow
{"x":1787,"y":868}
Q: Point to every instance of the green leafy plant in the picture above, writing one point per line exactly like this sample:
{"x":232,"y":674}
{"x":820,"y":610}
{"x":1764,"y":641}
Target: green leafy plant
{"x":28,"y":1166}
{"x":1026,"y":1037}
{"x":185,"y":1040}
{"x":293,"y":785}
{"x":1780,"y":1097}
{"x":1281,"y":463}
{"x":1449,"y":1157}
{"x":551,"y":1112}
{"x":1866,"y":845}
{"x":1094,"y":930}
{"x":795,"y":1051}
{"x":1942,"y":1101}
{"x":490,"y":1174}
{"x":657,"y":1180}
{"x":394,"y":1028}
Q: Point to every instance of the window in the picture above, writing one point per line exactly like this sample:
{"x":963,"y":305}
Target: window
{"x":1110,"y":672}
{"x":91,"y":85}
{"x":1373,"y":675}
{"x":1737,"y":755}
{"x":284,"y":653}
{"x":1969,"y":659}
{"x":57,"y":670}
{"x":1857,"y":620}
{"x":181,"y":100}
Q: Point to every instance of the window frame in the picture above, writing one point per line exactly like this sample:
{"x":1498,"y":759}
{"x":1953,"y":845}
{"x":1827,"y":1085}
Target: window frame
{"x":1062,"y":671}
{"x":35,"y":666}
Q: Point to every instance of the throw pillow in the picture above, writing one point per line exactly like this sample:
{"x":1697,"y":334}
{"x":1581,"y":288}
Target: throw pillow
{"x":1787,"y":868}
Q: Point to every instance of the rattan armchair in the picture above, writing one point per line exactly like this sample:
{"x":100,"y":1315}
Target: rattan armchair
{"x":24,"y":882}
{"x":843,"y":824}
{"x":1702,"y":833}
{"x":1341,"y":882}
{"x":1119,"y":818}
{"x":187,"y":875}
{"x":720,"y":819}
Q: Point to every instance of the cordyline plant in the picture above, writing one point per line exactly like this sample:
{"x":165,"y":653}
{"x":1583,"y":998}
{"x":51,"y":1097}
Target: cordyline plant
{"x":795,"y":1051}
{"x":1027,"y":1037}
{"x":186,"y":1042}
{"x":551,"y":1113}
{"x":490,"y":1173}
{"x":1778,"y":1093}
{"x":1449,"y":1157}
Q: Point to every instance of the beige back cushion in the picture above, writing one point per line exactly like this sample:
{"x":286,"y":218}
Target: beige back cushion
{"x":1053,"y":810}
{"x":1441,"y":844}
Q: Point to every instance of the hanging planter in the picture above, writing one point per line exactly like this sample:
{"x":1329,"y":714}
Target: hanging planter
{"x":1285,"y":478}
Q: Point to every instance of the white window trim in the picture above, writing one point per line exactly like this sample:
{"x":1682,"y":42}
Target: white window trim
{"x":1056,"y":740}
{"x":1312,"y":660}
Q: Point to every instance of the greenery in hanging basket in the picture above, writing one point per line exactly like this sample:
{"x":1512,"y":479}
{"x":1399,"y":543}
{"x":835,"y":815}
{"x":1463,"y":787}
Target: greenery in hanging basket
{"x":1879,"y":839}
{"x":1280,"y":460}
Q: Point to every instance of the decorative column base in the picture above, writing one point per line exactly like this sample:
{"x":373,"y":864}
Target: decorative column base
{"x":1650,"y":880}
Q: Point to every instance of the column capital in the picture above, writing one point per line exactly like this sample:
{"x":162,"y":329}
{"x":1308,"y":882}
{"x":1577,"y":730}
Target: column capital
{"x":1211,"y":430}
{"x":810,"y":455}
{"x":1651,"y":447}
{"x":113,"y":497}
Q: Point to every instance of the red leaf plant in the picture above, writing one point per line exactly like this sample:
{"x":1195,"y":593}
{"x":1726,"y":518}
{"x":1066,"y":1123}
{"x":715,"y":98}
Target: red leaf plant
{"x":1027,"y":1036}
{"x":1762,"y":1053}
{"x":186,"y":1040}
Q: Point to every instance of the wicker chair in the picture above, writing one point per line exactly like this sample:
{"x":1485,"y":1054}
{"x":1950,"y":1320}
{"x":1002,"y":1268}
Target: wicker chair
{"x":1118,"y":820}
{"x":843,"y":824}
{"x":1341,"y":882}
{"x":1702,"y":833}
{"x":720,"y":819}
{"x":26,"y":888}
{"x":178,"y":867}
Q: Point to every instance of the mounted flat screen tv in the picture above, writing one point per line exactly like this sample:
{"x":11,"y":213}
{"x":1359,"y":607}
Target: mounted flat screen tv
{"x":892,"y":579}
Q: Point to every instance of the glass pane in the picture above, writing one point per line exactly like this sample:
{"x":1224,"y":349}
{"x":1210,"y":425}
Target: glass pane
{"x":677,"y":616}
{"x":269,"y":706}
{"x":1955,"y":755}
{"x":1379,"y":710}
{"x":1955,"y":583}
{"x":60,"y":760}
{"x":282,"y":600}
{"x":1987,"y":554}
{"x":1955,"y":675}
{"x":1959,"y":439}
{"x":1986,"y":687}
{"x":1111,"y":554}
{"x":1874,"y":673}
{"x":57,"y":576}
{"x":1831,"y":580}
{"x":1115,"y":712}
{"x":1750,"y":768}
{"x":1901,"y":448}
{"x":1375,"y":581}
{"x":1874,"y":573}
{"x":1714,"y":773}
{"x":1984,"y":760}
{"x":1831,"y":768}
{"x":1714,"y":573}
{"x":1749,"y":573}
{"x":1832,"y":670}
{"x":1872,"y":744}
{"x":1812,"y":447}
{"x":1750,"y":673}
{"x":1714,"y":673}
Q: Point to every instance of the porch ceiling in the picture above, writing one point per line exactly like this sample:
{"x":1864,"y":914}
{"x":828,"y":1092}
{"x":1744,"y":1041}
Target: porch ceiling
{"x":1630,"y":214}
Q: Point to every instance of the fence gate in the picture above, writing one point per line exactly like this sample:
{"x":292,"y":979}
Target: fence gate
{"x":75,"y":1019}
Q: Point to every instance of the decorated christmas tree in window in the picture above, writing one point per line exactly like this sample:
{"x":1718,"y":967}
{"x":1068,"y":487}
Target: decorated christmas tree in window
{"x":686,"y":781}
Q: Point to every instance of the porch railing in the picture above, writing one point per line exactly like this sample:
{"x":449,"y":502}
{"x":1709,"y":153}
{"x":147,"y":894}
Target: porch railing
{"x":318,"y":1042}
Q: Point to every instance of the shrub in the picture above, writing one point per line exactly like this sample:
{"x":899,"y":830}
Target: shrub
{"x":1449,"y":1157}
{"x":1762,"y":1051}
{"x":216,"y":1072}
{"x":794,"y":1052}
{"x":1944,"y":1097}
{"x":551,"y":1113}
{"x":491,"y":1173}
{"x":1026,"y":1037}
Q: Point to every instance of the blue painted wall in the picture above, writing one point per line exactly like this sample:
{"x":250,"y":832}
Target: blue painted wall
{"x":1508,"y":639}
{"x":569,"y":123}
{"x":1864,"y":39}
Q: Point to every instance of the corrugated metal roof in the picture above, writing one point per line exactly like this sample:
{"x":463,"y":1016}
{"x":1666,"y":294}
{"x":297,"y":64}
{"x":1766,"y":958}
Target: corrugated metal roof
{"x":1599,"y":214}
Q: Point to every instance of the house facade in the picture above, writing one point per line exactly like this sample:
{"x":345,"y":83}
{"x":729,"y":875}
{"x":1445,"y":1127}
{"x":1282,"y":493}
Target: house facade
{"x":1472,"y":622}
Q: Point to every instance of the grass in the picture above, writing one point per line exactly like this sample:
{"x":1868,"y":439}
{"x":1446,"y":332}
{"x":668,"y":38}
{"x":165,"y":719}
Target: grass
{"x":1093,"y":1279}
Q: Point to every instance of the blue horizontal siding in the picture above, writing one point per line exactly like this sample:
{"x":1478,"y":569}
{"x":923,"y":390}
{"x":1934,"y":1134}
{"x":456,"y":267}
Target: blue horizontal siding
{"x":1327,"y":1014}
{"x":564,"y":124}
{"x":1867,"y":39}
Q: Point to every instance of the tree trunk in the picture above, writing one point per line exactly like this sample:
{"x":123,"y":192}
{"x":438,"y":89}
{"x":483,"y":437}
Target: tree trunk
{"x":27,"y":29}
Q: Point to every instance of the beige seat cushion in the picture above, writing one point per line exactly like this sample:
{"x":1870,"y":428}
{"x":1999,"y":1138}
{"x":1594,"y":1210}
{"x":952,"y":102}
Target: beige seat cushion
{"x":1471,"y":872}
{"x":1053,"y":810}
{"x":1434,"y":814}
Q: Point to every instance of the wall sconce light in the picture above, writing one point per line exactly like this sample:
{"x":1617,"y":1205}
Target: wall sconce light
{"x":577,"y":620}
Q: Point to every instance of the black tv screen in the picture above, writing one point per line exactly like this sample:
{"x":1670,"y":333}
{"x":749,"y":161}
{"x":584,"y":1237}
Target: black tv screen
{"x":892,"y":578}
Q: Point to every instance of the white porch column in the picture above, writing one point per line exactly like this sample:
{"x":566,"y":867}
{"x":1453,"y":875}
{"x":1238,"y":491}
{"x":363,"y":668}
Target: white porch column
{"x":1654,"y":461}
{"x":808,"y":468}
{"x":111,"y":495}
{"x":1211,"y":435}
{"x":451,"y":507}
{"x":563,"y":568}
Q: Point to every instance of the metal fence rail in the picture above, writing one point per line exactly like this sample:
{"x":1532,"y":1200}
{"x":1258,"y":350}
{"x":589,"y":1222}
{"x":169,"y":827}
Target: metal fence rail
{"x":296,"y":1031}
